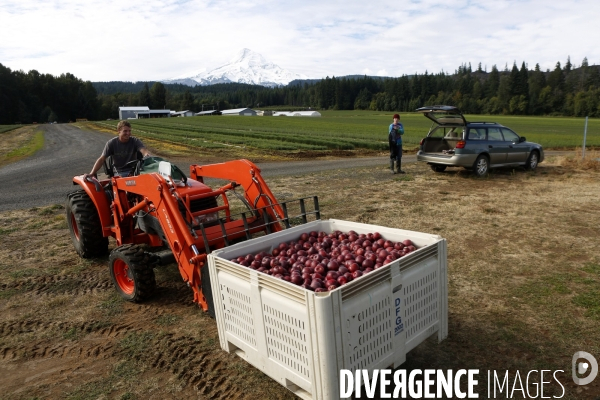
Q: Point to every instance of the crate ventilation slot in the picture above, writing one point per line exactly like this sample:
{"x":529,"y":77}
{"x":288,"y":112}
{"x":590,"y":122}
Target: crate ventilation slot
{"x":238,"y":314}
{"x":286,"y":340}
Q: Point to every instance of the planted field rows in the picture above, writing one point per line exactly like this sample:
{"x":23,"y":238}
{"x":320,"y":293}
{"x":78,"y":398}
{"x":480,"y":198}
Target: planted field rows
{"x":7,"y":128}
{"x":344,"y":130}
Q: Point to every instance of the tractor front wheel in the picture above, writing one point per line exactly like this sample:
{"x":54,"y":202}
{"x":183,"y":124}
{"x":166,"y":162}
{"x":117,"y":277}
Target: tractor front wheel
{"x":132,"y":272}
{"x":84,"y":225}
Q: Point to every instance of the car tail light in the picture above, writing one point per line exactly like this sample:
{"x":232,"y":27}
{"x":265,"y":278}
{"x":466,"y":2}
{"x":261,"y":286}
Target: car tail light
{"x":421,"y":142}
{"x":461,"y":144}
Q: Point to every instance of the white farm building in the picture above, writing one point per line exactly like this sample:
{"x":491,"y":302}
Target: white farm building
{"x":239,"y":111}
{"x":131,"y":112}
{"x":296,"y":114}
{"x":186,"y":113}
{"x":142,"y":112}
{"x":209,"y":112}
{"x":153,"y":114}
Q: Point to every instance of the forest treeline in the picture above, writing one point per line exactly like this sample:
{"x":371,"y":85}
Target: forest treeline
{"x":34,"y":97}
{"x":566,"y":90}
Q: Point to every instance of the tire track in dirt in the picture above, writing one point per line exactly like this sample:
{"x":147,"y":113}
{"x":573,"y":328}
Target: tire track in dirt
{"x":184,"y":357}
{"x":84,"y":283}
{"x":203,"y":369}
{"x":49,"y":348}
{"x":196,"y":361}
{"x":174,"y":292}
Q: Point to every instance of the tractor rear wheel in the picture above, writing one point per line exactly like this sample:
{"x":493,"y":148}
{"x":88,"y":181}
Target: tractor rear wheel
{"x":84,"y":225}
{"x":131,"y":270}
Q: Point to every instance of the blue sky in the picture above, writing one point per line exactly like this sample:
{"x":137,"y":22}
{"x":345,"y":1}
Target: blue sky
{"x":103,"y":40}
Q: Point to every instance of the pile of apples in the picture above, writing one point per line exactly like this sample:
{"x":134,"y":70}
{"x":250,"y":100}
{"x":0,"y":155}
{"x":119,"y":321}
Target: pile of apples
{"x":322,"y":262}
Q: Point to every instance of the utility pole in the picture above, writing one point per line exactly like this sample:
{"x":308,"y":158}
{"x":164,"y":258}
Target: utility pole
{"x":584,"y":138}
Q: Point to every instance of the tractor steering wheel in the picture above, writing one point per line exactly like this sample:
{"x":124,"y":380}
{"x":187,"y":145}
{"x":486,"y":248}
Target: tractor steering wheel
{"x":134,"y":165}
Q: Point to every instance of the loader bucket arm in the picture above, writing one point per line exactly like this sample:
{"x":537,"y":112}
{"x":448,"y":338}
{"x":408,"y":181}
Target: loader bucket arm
{"x":246,"y":174}
{"x":158,"y":198}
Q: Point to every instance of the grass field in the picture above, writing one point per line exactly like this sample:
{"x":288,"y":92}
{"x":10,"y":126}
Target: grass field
{"x":7,"y":128}
{"x":20,"y":143}
{"x":523,"y":278}
{"x":343,"y":130}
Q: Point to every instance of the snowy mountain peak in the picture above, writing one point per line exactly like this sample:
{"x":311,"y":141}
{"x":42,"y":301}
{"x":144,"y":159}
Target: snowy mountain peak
{"x":248,"y":57}
{"x":246,"y":67}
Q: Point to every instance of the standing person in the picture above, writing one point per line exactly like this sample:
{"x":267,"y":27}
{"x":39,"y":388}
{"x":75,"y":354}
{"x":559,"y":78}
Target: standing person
{"x":123,"y":149}
{"x":395,"y":139}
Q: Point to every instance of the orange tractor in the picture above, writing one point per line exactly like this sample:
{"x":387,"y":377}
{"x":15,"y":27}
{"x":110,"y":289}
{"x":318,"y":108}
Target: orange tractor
{"x":158,"y":215}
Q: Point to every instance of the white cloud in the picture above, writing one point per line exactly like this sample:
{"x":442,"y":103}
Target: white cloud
{"x":146,"y":40}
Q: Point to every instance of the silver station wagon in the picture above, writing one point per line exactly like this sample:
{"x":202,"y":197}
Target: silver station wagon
{"x":476,"y":146}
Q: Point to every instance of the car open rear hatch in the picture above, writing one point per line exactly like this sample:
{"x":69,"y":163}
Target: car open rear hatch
{"x":444,"y":115}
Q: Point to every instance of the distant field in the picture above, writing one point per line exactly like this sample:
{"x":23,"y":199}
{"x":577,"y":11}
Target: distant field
{"x":343,"y":130}
{"x":6,"y":128}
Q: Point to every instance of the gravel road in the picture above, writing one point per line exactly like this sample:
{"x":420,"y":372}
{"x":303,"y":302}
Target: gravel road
{"x":46,"y":177}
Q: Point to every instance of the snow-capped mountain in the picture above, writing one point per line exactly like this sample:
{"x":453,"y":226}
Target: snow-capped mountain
{"x":246,"y":67}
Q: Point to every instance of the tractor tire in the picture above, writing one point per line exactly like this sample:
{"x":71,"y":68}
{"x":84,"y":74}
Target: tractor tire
{"x":132,"y":273}
{"x":84,"y":226}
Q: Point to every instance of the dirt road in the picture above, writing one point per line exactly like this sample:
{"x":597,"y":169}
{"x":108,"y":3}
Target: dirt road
{"x":45,"y":178}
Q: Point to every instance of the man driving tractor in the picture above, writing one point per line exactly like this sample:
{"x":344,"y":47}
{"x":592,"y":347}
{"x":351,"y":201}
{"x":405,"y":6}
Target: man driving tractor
{"x":123,"y":149}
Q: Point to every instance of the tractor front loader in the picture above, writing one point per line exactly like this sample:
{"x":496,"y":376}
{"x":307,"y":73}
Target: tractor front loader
{"x":158,"y":215}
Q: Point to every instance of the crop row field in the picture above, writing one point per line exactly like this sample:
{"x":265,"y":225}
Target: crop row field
{"x":7,"y":128}
{"x":343,"y":130}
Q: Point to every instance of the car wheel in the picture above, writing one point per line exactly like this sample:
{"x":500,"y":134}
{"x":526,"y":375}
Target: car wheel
{"x":532,"y":161}
{"x":438,"y":168}
{"x":481,"y":166}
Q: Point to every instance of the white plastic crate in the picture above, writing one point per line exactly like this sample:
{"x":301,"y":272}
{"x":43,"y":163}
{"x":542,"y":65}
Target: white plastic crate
{"x":303,"y":339}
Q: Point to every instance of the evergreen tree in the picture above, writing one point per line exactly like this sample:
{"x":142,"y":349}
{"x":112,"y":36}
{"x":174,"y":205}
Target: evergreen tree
{"x":523,"y":89}
{"x":492,"y":83}
{"x":536,"y":82}
{"x":593,"y":79}
{"x":556,"y":79}
{"x":45,"y":114}
{"x":504,"y":93}
{"x":145,"y":96}
{"x":514,"y":81}
{"x":187,"y":102}
{"x":568,"y":65}
{"x":158,"y":96}
{"x":584,"y":63}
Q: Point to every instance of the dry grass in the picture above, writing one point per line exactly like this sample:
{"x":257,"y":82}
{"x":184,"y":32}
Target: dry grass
{"x":522,"y":251}
{"x":591,"y":161}
{"x":524,"y":273}
{"x":19,"y":143}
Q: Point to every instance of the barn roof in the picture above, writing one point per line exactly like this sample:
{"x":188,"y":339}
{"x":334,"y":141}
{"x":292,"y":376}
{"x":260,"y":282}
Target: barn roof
{"x":235,"y":110}
{"x":139,"y":108}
